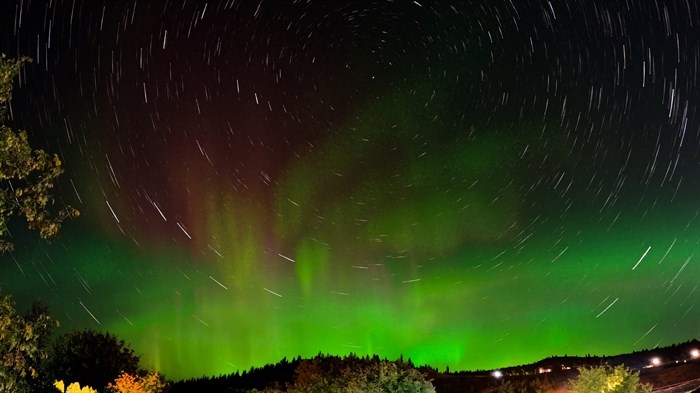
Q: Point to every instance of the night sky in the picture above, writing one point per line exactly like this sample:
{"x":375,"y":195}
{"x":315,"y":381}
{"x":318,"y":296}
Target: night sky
{"x":472,"y":184}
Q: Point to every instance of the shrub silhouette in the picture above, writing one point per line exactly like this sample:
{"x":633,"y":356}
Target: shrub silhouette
{"x":91,"y":358}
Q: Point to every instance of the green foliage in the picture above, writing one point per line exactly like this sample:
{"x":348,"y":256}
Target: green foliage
{"x":355,"y":376}
{"x":27,"y":175}
{"x":8,"y":71}
{"x":23,"y":342}
{"x":606,"y":379}
{"x":91,"y":358}
{"x":386,"y":377}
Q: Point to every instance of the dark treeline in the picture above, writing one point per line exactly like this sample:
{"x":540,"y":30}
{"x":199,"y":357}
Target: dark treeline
{"x":673,"y":354}
{"x":281,"y":374}
{"x":540,"y":376}
{"x":556,"y":372}
{"x":255,"y":378}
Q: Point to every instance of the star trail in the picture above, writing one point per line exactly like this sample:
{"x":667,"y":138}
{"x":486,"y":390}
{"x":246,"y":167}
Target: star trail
{"x":472,"y":184}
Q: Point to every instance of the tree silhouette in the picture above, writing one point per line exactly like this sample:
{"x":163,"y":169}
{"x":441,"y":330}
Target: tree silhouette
{"x":91,"y":358}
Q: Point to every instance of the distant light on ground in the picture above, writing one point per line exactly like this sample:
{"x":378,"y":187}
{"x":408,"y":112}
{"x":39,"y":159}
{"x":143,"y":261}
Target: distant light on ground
{"x":695,"y":353}
{"x":497,"y":374}
{"x":655,"y":361}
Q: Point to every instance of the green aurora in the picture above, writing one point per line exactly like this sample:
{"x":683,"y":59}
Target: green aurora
{"x":445,"y":203}
{"x":498,"y":312}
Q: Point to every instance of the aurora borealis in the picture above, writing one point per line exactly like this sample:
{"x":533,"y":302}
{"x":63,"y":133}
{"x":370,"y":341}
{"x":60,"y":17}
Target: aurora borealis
{"x":472,"y":184}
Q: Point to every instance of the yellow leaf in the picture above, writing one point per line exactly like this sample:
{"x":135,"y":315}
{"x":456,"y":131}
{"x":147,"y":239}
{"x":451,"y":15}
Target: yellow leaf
{"x":60,"y":386}
{"x":74,"y":388}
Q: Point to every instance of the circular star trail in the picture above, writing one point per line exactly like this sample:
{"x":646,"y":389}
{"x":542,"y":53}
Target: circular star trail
{"x":471,"y":184}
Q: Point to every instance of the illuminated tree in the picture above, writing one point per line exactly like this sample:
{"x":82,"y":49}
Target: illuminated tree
{"x":605,"y":379}
{"x":23,"y":342}
{"x":27,"y":175}
{"x":314,"y":376}
{"x":331,"y":375}
{"x":91,"y":358}
{"x":385,"y":377}
{"x":127,"y":383}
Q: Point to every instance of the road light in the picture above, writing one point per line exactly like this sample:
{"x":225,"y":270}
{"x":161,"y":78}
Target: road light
{"x":695,"y":353}
{"x":655,"y":361}
{"x":497,"y":374}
